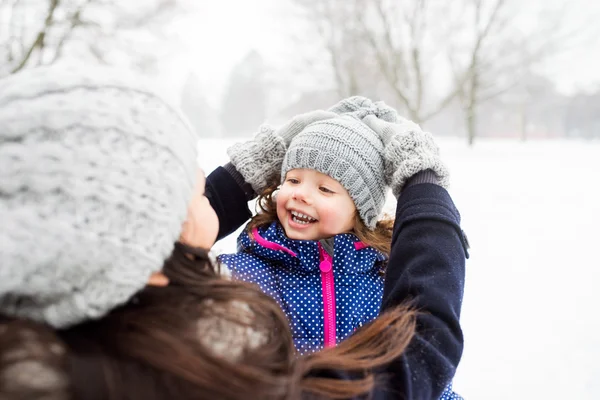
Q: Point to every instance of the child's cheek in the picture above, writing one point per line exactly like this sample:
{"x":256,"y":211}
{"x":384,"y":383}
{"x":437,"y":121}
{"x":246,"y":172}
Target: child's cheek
{"x":336,"y":218}
{"x":281,"y":199}
{"x":328,"y":216}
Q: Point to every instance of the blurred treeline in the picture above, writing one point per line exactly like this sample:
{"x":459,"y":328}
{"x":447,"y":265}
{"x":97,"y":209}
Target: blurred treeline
{"x":472,"y":68}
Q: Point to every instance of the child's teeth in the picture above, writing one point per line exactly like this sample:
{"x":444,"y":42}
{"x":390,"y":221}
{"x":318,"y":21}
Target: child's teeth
{"x":299,"y":221}
{"x":307,"y":219}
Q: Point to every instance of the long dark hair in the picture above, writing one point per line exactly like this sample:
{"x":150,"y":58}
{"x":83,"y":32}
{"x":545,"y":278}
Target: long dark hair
{"x":201,"y":337}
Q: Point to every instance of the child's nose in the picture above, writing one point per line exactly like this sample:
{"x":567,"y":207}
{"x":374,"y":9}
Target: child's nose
{"x":301,"y":194}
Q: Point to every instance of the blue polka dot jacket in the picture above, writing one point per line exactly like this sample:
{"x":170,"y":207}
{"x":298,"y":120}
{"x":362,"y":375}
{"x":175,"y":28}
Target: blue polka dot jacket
{"x":426,"y":264}
{"x":325,"y":296}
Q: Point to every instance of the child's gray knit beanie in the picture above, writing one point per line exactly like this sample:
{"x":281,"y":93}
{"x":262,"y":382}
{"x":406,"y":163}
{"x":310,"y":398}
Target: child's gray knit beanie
{"x":96,"y":173}
{"x":347,"y":150}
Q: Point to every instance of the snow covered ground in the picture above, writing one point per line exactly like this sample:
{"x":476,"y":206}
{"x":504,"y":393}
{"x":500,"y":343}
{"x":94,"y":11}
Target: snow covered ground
{"x":530,"y":313}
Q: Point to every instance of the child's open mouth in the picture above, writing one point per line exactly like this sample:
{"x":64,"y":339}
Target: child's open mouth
{"x":302,"y":219}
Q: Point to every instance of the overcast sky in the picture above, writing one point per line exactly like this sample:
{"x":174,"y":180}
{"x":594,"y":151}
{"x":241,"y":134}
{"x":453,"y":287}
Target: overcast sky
{"x":219,"y":33}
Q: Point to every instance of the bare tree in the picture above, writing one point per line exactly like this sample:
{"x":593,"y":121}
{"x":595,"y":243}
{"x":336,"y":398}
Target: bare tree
{"x":402,"y":36}
{"x":384,"y":47}
{"x":335,"y":27}
{"x":428,"y":54}
{"x":499,"y":53}
{"x":39,"y":32}
{"x":485,"y":23}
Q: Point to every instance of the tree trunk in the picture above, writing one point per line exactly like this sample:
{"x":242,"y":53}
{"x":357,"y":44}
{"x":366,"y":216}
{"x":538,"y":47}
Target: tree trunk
{"x":472,"y":102}
{"x":471,"y":125}
{"x":523,"y":122}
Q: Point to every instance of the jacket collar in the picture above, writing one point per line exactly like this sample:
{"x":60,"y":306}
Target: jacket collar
{"x":270,"y":242}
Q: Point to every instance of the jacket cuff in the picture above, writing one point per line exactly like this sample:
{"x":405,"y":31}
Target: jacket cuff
{"x":228,"y":201}
{"x":427,"y":176}
{"x":241,"y":182}
{"x":429,"y":201}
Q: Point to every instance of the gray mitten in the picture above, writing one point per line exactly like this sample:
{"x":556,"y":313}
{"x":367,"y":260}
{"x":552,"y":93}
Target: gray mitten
{"x":259,"y":160}
{"x":360,"y":107}
{"x":408,"y":150}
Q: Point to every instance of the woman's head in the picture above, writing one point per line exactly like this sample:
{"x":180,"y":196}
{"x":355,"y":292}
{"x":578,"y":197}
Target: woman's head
{"x":199,"y":337}
{"x":96,"y":175}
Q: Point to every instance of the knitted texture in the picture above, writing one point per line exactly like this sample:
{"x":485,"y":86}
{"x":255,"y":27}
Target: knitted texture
{"x":408,"y":150}
{"x":348,"y":151}
{"x":259,"y":160}
{"x":360,"y":107}
{"x":96,"y":173}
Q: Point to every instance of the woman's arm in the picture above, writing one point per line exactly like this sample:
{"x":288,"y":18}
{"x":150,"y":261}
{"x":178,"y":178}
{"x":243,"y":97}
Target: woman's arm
{"x":229,"y":195}
{"x":427,"y":267}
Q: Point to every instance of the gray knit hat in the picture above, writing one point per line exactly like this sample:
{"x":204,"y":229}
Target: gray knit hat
{"x":96,"y":172}
{"x":347,"y":150}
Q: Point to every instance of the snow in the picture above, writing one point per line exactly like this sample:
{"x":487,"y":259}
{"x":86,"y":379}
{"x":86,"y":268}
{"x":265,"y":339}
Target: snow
{"x":531,"y":211}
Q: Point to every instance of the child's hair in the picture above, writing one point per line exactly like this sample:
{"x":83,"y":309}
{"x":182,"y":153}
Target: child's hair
{"x":379,"y":238}
{"x":152,"y":348}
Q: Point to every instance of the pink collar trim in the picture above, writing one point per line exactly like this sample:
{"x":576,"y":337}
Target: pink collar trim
{"x":270,"y":245}
{"x":360,"y":245}
{"x":277,"y":247}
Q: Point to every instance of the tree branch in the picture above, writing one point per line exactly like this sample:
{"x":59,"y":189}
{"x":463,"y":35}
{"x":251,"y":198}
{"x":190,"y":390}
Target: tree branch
{"x":39,"y":40}
{"x":11,"y":32}
{"x":330,"y":44}
{"x":416,"y":27}
{"x":389,"y":63}
{"x":74,"y":22}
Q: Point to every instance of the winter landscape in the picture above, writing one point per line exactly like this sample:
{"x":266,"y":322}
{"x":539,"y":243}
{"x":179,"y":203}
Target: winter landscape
{"x":509,"y":88}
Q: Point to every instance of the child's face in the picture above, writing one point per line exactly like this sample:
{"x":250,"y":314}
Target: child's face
{"x":325,"y":207}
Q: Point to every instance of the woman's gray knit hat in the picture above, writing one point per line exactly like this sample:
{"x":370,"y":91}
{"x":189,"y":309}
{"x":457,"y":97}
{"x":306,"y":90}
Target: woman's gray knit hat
{"x":96,"y":173}
{"x":347,"y":150}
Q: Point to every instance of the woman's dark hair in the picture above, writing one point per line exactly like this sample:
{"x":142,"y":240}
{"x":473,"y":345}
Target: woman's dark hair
{"x":201,"y":337}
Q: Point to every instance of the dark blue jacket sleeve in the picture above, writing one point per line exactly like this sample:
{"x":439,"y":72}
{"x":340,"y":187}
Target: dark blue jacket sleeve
{"x":427,"y":267}
{"x":228,"y":200}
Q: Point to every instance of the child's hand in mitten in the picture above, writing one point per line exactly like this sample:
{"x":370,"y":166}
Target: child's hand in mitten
{"x":360,"y":107}
{"x":259,"y":160}
{"x":408,"y":150}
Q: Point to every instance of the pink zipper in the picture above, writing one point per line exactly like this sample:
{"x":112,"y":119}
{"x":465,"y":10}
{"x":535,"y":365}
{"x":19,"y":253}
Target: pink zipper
{"x":326,"y":266}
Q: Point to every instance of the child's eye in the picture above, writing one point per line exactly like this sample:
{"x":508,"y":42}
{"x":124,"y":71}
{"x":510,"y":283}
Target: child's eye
{"x":293,"y":181}
{"x":325,"y":190}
